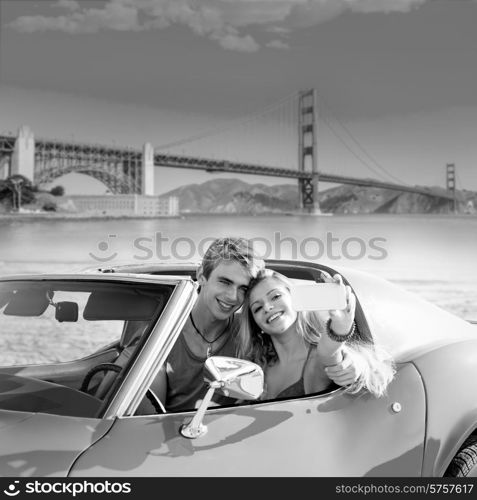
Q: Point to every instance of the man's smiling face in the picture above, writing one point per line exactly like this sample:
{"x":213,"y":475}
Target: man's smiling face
{"x":223,"y":292}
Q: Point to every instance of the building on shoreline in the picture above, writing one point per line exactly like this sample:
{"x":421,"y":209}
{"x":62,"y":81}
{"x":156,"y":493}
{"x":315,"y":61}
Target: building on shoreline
{"x":125,"y":204}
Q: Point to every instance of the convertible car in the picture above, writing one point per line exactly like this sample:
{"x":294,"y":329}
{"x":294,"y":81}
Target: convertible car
{"x":79,"y":353}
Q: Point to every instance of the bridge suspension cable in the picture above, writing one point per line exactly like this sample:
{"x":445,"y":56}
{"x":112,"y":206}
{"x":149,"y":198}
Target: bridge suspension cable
{"x":277,"y":105}
{"x":327,"y":116}
{"x":270,"y":136}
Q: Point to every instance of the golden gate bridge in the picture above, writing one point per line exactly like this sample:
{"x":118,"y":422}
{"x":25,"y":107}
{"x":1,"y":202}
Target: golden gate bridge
{"x":278,"y":141}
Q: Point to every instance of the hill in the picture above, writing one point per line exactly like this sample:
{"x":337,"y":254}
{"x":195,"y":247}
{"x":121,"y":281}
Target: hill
{"x":235,"y":197}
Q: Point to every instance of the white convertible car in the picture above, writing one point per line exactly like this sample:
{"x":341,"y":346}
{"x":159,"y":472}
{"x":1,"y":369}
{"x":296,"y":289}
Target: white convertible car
{"x":79,"y":352}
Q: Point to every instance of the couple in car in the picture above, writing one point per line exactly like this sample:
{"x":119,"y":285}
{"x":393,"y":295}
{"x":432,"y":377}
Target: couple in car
{"x":300,"y":352}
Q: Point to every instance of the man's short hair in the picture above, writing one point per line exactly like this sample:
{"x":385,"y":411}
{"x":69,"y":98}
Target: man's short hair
{"x":232,"y":250}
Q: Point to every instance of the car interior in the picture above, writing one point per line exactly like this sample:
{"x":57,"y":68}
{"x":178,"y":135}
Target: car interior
{"x":95,"y":375}
{"x":78,"y":384}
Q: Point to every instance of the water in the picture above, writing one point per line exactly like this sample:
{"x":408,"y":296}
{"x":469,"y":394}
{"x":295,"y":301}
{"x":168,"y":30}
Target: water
{"x":433,"y":256}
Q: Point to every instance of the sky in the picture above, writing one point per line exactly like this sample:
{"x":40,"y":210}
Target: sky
{"x":395,"y":81}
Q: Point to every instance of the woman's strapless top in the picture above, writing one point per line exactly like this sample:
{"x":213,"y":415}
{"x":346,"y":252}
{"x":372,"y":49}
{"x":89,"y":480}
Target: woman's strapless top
{"x":298,"y":388}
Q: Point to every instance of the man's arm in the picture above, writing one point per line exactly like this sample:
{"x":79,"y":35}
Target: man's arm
{"x":345,"y":372}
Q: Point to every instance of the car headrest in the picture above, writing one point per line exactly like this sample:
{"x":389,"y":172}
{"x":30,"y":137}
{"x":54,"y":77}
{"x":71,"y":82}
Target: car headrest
{"x":132,"y":331}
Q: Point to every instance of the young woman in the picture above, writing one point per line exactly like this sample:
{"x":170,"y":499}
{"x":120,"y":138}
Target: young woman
{"x":297,"y":349}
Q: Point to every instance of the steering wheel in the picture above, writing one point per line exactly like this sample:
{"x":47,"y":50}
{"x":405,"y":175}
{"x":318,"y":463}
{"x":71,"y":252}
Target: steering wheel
{"x":105,"y":367}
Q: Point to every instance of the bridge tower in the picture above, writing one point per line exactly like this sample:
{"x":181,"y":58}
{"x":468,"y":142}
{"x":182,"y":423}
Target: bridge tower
{"x":450,"y":185}
{"x":7,"y":147}
{"x":307,"y":153}
{"x":147,"y":177}
{"x":23,"y":158}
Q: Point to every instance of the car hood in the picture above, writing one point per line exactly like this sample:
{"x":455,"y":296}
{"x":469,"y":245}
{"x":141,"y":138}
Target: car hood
{"x":36,"y":444}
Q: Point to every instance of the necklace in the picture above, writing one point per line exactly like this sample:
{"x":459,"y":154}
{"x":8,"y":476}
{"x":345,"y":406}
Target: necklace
{"x":210,"y":342}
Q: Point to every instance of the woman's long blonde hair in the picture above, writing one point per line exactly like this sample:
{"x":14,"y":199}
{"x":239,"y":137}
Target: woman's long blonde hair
{"x":377,"y":367}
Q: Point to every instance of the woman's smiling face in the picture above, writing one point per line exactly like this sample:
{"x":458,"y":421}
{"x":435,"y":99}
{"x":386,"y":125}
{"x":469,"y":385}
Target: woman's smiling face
{"x":270,"y":304}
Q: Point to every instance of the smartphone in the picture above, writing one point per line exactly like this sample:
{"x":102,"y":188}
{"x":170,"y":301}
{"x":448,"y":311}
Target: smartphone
{"x":318,"y":296}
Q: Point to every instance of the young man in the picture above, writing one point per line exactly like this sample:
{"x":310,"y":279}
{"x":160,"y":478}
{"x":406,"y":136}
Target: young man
{"x":224,"y":274}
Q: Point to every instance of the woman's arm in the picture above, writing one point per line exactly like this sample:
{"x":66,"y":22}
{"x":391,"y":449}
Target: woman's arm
{"x":340,"y":367}
{"x":339,"y":327}
{"x":364,"y":365}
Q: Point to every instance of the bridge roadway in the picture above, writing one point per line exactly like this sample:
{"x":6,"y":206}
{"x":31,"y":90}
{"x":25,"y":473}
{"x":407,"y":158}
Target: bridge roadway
{"x":180,"y":161}
{"x":71,"y":149}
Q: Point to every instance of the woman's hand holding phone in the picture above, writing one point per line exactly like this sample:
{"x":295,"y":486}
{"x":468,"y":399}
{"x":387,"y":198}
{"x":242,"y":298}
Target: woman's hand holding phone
{"x":341,"y":319}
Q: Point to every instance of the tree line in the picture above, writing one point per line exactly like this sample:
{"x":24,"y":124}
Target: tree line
{"x":17,"y":191}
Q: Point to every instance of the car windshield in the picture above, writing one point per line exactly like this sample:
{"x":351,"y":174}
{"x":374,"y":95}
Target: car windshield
{"x":55,"y":332}
{"x":53,"y":321}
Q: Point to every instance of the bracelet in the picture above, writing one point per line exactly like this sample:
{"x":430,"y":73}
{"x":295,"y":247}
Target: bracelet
{"x":339,"y":338}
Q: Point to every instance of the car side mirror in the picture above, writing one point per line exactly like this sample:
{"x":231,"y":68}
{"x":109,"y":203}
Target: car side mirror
{"x":237,"y":378}
{"x":233,"y":377}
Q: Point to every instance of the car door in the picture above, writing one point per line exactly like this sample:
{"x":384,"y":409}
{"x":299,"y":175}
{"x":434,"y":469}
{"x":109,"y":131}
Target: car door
{"x":328,"y":435}
{"x":45,"y":426}
{"x":40,"y":444}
